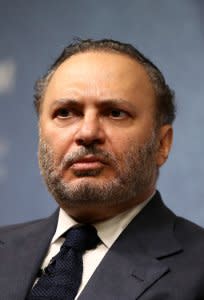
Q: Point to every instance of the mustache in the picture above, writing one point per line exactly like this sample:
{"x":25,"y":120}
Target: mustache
{"x":71,"y":158}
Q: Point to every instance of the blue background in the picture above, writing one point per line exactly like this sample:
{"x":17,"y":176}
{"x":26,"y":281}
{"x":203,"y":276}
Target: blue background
{"x":33,"y":33}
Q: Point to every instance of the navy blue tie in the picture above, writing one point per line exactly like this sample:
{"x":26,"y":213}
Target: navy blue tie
{"x":62,"y":278}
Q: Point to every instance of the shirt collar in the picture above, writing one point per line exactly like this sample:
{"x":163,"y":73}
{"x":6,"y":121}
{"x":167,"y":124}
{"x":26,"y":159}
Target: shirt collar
{"x":108,"y":231}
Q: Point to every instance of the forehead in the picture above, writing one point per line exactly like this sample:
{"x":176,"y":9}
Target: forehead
{"x":99,"y":74}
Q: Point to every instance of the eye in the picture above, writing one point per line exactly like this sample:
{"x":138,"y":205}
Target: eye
{"x":63,"y":113}
{"x":117,"y":114}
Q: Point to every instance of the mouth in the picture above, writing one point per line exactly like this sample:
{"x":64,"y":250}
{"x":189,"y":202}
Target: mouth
{"x":89,"y":162}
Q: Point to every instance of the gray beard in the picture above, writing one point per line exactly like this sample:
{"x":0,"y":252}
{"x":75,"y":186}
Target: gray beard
{"x":139,"y":173}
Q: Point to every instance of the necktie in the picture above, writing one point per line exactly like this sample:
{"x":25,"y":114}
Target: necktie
{"x":62,"y":278}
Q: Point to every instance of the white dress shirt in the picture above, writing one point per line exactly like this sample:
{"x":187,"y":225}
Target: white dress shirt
{"x":108,"y":231}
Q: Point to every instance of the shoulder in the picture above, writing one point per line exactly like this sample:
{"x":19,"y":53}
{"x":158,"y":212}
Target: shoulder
{"x":28,"y":228}
{"x":158,"y":218}
{"x":21,"y":226}
{"x":182,"y":227}
{"x":188,"y":232}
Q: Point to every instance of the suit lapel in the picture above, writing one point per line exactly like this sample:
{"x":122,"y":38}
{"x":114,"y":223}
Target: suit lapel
{"x":133,"y":264}
{"x":30,"y":243}
{"x":137,"y":259}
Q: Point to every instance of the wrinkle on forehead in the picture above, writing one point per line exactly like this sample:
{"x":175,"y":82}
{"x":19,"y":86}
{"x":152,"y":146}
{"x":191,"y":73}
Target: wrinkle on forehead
{"x":99,"y":75}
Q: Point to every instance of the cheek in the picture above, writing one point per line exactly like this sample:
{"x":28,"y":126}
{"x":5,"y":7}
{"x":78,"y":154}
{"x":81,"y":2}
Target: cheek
{"x":120,"y":145}
{"x":121,"y":139}
{"x":58,"y":140}
{"x":123,"y":143}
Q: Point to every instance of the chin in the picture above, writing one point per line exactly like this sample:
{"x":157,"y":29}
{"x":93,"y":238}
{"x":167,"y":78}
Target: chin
{"x":87,"y":175}
{"x":83,"y":180}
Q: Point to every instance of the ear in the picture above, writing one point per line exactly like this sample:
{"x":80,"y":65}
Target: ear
{"x":165,"y":139}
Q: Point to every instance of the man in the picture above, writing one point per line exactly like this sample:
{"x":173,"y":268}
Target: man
{"x":105,"y":128}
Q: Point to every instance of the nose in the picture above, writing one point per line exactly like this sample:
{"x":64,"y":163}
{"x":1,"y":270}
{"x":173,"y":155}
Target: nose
{"x":90,"y":131}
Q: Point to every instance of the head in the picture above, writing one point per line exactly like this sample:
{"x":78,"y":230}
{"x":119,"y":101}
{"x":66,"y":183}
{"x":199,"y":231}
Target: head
{"x":105,"y":122}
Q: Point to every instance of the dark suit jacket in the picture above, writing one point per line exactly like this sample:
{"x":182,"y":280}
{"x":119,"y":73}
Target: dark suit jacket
{"x":158,"y":256}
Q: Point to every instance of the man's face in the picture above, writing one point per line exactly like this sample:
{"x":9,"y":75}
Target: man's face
{"x":98,"y":149}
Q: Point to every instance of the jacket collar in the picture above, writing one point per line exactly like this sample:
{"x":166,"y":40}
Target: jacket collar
{"x":137,"y":258}
{"x":22,"y":251}
{"x":134,"y":262}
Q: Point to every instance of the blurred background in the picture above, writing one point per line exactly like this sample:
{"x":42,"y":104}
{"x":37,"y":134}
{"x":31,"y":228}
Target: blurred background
{"x":33,"y":33}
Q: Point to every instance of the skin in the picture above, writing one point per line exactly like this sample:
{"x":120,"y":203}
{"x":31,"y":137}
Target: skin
{"x":105,"y":99}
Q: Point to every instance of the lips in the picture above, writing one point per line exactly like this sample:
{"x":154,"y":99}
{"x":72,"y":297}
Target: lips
{"x":87,"y":163}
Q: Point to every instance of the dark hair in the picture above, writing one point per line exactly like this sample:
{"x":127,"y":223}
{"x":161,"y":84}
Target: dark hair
{"x":165,"y":106}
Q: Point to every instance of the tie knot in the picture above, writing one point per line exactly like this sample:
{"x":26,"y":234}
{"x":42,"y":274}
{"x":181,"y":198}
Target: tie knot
{"x":81,"y":238}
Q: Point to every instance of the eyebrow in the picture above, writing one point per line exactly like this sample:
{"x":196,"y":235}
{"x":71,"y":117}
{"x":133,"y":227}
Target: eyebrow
{"x":102,"y":103}
{"x":71,"y":102}
{"x":113,"y":102}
